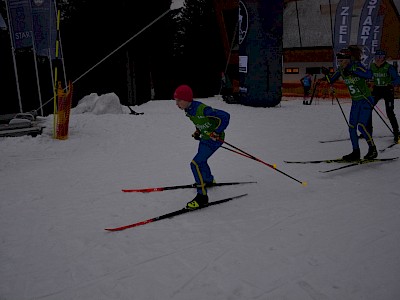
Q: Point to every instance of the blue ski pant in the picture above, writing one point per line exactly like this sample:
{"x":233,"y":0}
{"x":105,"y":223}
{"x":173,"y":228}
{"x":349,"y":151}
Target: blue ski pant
{"x":360,"y":114}
{"x":200,"y":168}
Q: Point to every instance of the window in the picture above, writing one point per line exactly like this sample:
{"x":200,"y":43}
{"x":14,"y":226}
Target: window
{"x":292,"y":71}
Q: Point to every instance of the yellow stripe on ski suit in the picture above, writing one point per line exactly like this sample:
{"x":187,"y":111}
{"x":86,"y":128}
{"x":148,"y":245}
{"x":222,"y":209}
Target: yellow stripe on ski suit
{"x":370,"y":140}
{"x":203,"y":190}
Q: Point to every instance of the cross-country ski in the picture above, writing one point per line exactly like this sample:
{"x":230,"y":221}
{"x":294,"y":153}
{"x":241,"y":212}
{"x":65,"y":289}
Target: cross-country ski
{"x":348,"y":139}
{"x":336,"y":160}
{"x":173,"y":214}
{"x":185,"y":186}
{"x":328,"y":161}
{"x":361,"y":162}
{"x":388,"y":147}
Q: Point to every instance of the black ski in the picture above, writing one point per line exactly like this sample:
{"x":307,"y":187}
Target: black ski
{"x":328,"y":161}
{"x":176,"y":187}
{"x":361,"y":162}
{"x":348,"y":139}
{"x":335,"y":140}
{"x":388,"y":147}
{"x":172,"y":214}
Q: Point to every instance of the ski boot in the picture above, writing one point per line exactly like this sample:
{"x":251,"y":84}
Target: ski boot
{"x":372,"y":153}
{"x":353,"y":156}
{"x":198,"y":202}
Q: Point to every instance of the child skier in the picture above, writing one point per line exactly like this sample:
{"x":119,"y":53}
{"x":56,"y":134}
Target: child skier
{"x":210,"y":125}
{"x":355,"y":75}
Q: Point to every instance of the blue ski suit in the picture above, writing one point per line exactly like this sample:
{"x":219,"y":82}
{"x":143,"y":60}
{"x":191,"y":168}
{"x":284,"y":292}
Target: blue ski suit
{"x":355,"y":75}
{"x":207,"y":120}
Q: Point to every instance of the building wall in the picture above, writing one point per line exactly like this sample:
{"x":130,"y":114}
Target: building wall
{"x":311,"y":47}
{"x":312,"y":28}
{"x":391,"y":31}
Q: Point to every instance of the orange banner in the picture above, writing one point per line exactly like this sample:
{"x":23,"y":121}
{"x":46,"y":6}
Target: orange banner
{"x":64,"y":109}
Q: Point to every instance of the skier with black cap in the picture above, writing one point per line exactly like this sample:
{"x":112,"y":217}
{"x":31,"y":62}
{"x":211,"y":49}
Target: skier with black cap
{"x":385,"y":77}
{"x":355,"y":77}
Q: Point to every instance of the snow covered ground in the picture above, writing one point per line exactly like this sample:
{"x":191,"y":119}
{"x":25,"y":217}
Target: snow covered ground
{"x":337,"y":238}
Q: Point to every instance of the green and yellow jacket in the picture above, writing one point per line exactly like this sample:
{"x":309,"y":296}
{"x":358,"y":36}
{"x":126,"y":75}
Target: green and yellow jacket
{"x":207,"y":119}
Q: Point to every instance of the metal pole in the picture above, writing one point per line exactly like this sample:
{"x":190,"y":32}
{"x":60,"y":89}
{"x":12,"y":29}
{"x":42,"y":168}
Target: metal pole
{"x":37,"y":75}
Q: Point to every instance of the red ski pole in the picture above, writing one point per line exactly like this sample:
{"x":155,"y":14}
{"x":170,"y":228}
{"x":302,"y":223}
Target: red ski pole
{"x":248,"y":155}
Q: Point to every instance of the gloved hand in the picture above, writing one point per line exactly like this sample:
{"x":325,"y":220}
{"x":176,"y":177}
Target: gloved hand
{"x":196,"y":135}
{"x":214,"y":136}
{"x":324,"y":71}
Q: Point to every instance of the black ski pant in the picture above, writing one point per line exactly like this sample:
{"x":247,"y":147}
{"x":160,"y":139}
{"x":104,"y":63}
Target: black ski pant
{"x":386,"y":93}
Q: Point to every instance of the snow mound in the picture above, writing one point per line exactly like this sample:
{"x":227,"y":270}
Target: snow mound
{"x":99,"y":105}
{"x":177,"y":4}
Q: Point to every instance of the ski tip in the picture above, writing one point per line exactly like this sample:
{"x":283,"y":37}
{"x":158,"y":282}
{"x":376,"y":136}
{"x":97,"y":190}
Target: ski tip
{"x":146,"y":190}
{"x":240,"y":196}
{"x":304,"y":183}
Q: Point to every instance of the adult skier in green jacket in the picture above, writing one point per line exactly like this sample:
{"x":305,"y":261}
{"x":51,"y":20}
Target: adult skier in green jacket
{"x":385,"y":77}
{"x":210,"y":124}
{"x":355,"y":75}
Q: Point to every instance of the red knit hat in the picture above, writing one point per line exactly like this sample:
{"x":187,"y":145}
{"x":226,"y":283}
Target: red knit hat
{"x":184,"y":92}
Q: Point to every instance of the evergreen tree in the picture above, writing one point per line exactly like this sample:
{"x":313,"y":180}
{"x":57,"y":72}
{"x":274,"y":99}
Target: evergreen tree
{"x":198,"y":51}
{"x":91,"y":31}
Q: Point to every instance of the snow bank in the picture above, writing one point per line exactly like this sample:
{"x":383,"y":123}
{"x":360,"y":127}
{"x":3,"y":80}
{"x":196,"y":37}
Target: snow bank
{"x":99,"y":105}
